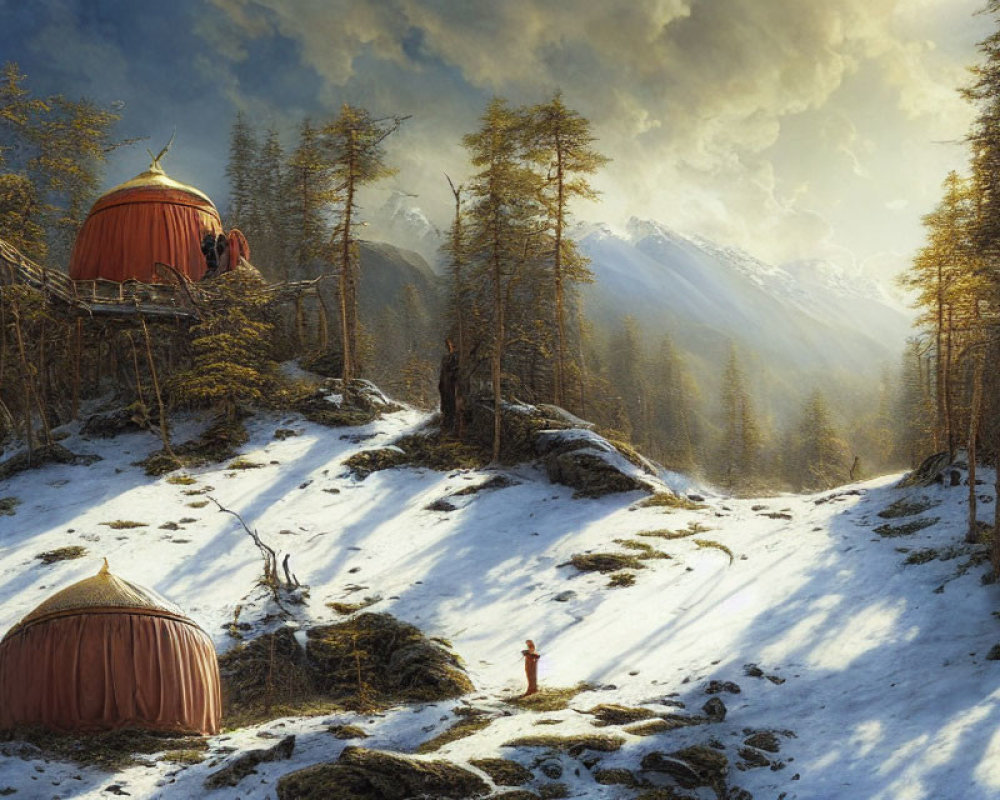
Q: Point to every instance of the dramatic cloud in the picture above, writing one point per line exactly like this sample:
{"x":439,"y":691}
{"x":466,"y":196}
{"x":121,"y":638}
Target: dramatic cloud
{"x":794,"y":129}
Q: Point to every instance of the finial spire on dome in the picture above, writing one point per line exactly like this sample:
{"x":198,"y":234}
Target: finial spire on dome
{"x":105,"y":570}
{"x":155,"y":165}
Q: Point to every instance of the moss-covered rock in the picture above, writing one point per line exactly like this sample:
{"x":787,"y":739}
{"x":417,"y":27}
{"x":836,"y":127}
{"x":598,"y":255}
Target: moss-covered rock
{"x":574,"y":744}
{"x":615,"y":777}
{"x":272,"y":675}
{"x":394,"y":658}
{"x":698,"y":765}
{"x":361,"y":774}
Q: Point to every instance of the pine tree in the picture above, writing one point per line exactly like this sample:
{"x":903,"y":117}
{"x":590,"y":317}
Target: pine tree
{"x":271,"y":237}
{"x":562,"y":144}
{"x":232,"y":365}
{"x":355,"y":152}
{"x":626,"y":370}
{"x":503,"y":225}
{"x":673,"y":427}
{"x":310,"y":192}
{"x":821,"y":460}
{"x":240,"y":169}
{"x":738,"y":460}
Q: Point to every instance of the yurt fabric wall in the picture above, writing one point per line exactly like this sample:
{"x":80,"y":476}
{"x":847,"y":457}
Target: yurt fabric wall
{"x":104,"y":654}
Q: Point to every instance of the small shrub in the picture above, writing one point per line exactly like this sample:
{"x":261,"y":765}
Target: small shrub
{"x":605,"y":562}
{"x":62,"y":554}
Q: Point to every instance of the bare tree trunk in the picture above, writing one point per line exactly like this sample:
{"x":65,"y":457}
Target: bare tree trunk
{"x":977,"y":397}
{"x":558,"y":275}
{"x":946,"y":390}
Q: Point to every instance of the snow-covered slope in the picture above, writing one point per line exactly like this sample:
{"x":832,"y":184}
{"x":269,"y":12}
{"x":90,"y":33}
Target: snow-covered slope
{"x":879,"y":687}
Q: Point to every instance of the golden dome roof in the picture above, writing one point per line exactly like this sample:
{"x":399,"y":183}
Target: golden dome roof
{"x":156,"y":178}
{"x":103,"y":591}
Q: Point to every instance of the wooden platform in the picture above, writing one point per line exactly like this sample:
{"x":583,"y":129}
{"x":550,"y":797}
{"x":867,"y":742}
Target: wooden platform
{"x":176,"y":298}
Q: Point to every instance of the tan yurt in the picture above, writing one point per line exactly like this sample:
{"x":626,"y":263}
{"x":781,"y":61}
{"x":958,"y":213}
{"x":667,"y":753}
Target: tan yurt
{"x":103,"y":654}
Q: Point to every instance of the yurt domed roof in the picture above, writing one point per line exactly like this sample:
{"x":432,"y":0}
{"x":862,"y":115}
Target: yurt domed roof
{"x":154,"y":178}
{"x":104,"y":591}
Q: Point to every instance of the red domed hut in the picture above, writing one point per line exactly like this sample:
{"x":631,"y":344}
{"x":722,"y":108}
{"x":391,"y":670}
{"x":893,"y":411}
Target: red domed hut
{"x":151,"y":218}
{"x":104,"y":654}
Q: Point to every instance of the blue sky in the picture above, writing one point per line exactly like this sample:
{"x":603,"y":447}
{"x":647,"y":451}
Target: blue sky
{"x":792,"y":129}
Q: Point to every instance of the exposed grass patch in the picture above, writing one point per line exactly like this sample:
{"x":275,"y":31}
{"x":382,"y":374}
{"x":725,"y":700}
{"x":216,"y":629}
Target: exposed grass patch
{"x":553,"y":791}
{"x":124,"y":524}
{"x":692,"y":529}
{"x":460,"y":730}
{"x":715,"y":545}
{"x":621,"y":580}
{"x":669,"y":501}
{"x":574,"y":745}
{"x":921,"y":556}
{"x":605,"y":562}
{"x":347,"y":732}
{"x":907,"y":528}
{"x":350,"y":608}
{"x":646,"y":551}
{"x":184,"y":756}
{"x":181,"y":480}
{"x":650,"y":728}
{"x":218,"y":443}
{"x":502,"y":771}
{"x":196,"y":504}
{"x":496,"y":482}
{"x":243,"y":463}
{"x":613,"y":714}
{"x":904,"y":507}
{"x":8,"y":504}
{"x":366,"y":462}
{"x":112,"y":750}
{"x":62,"y":554}
{"x":550,"y":698}
{"x":436,"y":451}
{"x":361,"y":774}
